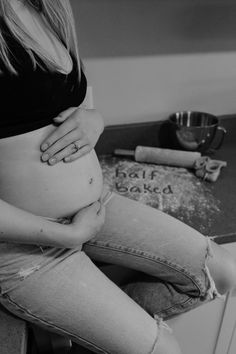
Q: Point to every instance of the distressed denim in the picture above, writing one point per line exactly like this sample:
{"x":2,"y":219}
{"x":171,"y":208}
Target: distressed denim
{"x":64,"y":291}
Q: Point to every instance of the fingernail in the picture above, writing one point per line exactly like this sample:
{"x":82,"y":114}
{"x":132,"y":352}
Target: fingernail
{"x":52,"y":161}
{"x":66,"y":159}
{"x":45,"y":157}
{"x":44,"y":147}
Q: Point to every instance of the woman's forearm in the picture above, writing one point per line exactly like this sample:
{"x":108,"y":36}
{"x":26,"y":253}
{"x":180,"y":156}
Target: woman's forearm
{"x":17,"y":225}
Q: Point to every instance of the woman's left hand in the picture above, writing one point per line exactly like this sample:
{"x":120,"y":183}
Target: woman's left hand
{"x":77,"y":134}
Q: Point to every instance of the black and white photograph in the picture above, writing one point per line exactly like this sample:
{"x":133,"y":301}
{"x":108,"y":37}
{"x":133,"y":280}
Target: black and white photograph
{"x":117,"y":176}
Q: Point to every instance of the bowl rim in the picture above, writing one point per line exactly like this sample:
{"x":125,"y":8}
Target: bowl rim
{"x":195,"y":112}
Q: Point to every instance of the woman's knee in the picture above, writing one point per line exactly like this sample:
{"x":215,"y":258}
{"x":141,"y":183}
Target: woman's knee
{"x":222,"y":267}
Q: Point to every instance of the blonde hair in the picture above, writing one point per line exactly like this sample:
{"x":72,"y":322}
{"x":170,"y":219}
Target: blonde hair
{"x":58,"y":15}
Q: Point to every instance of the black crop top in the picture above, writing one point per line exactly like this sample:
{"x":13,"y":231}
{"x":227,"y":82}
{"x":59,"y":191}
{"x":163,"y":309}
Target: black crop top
{"x":30,"y":100}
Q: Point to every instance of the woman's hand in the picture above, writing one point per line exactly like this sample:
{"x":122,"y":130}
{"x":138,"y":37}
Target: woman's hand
{"x":85,"y":224}
{"x":77,"y":134}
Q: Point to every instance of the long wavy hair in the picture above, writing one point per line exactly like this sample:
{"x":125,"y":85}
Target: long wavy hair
{"x":57,"y":14}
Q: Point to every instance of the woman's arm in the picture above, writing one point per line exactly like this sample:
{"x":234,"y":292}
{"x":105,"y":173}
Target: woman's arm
{"x":19,"y":226}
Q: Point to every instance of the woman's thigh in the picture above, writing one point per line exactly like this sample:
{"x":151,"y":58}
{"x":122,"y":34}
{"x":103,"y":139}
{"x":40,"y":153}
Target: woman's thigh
{"x":143,"y":238}
{"x":74,"y":298}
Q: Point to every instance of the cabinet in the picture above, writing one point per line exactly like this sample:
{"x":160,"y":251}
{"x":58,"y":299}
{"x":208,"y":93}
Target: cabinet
{"x":226,"y":342}
{"x":211,"y":328}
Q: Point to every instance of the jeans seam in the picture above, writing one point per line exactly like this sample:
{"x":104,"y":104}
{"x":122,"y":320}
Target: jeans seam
{"x":49,"y":324}
{"x":152,"y":257}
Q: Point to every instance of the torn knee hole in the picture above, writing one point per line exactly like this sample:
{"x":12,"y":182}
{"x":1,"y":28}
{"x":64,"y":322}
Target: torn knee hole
{"x":211,"y":292}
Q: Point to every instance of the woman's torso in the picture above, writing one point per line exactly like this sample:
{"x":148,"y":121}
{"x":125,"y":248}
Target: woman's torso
{"x":27,"y":182}
{"x":53,"y":191}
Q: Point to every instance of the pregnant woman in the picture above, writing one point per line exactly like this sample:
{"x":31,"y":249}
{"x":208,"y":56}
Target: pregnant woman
{"x":52,"y":206}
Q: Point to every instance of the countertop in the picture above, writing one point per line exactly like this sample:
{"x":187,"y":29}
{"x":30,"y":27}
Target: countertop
{"x":218,"y":219}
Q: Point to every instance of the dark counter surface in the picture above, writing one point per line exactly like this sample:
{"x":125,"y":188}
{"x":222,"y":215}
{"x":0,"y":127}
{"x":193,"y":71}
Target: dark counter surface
{"x":216,"y":217}
{"x":224,"y":189}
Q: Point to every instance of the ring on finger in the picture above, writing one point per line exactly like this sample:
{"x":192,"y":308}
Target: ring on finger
{"x":75,"y":146}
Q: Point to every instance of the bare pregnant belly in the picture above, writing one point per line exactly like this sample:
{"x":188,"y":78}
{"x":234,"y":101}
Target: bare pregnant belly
{"x":52,"y":191}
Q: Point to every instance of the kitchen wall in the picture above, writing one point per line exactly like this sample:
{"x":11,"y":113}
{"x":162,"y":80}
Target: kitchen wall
{"x":148,"y":58}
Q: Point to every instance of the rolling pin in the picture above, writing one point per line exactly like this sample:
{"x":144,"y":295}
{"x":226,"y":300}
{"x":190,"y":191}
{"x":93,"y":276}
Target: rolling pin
{"x":161,"y":156}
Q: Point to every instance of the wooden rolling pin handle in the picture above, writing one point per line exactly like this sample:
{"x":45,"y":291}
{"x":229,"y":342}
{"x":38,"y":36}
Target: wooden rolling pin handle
{"x":123,"y":152}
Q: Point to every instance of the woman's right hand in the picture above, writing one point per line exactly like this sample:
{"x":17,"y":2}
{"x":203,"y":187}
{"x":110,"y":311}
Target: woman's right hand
{"x":31,"y":229}
{"x":86,"y":223}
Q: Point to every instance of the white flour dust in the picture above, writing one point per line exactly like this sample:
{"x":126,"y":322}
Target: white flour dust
{"x":176,"y":191}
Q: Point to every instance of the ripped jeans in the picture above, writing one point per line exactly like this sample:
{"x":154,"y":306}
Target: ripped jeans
{"x":64,"y":291}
